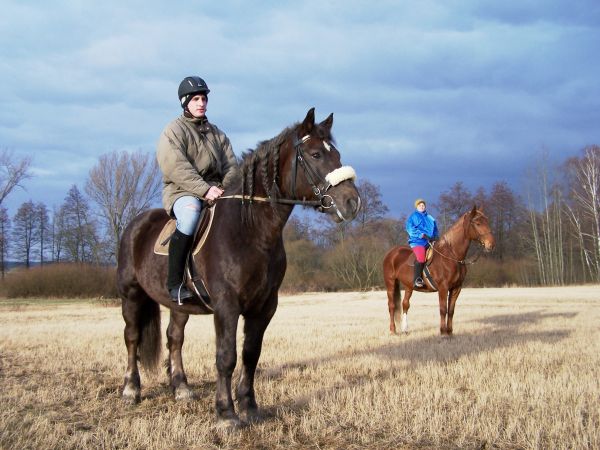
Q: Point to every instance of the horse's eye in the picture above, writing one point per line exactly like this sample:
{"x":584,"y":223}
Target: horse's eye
{"x":316,"y":155}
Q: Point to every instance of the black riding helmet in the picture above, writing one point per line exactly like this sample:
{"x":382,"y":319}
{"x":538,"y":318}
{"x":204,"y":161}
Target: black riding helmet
{"x":190,"y":86}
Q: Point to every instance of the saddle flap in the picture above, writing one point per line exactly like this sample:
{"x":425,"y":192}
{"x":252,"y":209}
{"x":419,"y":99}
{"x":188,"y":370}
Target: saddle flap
{"x":161,"y":246}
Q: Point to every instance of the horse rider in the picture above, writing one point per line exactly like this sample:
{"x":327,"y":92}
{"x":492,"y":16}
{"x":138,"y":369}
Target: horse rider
{"x":197,"y":163}
{"x":422,"y":229}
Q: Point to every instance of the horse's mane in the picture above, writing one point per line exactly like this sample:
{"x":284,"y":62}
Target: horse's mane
{"x":258,"y":160}
{"x":458,"y":228}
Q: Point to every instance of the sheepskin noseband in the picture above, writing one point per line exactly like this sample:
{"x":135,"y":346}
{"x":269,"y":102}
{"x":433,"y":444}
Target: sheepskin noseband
{"x":340,"y":174}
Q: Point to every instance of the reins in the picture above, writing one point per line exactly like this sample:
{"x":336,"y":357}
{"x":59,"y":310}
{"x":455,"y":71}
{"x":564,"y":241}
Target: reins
{"x":285,"y":201}
{"x":459,"y":261}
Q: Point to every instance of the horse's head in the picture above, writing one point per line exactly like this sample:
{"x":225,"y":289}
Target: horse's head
{"x":478,"y":229}
{"x":312,"y":170}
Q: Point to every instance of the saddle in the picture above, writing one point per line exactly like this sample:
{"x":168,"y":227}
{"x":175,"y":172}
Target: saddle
{"x":192,"y":277}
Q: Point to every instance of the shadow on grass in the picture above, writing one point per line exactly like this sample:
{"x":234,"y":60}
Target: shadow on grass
{"x":503,"y":332}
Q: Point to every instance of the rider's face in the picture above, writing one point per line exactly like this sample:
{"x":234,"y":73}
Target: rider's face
{"x":197,"y":105}
{"x":421,"y":207}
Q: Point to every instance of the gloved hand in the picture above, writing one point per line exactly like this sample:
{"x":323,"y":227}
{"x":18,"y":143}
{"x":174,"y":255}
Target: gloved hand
{"x":425,"y":236}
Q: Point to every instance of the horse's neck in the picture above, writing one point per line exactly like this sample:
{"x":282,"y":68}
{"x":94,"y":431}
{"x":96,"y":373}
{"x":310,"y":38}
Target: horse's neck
{"x":263,"y":218}
{"x":457,"y":241}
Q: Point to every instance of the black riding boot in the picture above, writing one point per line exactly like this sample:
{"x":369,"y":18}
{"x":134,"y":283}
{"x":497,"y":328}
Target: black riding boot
{"x":179,"y":247}
{"x":418,"y":281}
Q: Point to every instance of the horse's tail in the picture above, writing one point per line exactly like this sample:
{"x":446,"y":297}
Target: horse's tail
{"x":150,"y":336}
{"x":397,"y":304}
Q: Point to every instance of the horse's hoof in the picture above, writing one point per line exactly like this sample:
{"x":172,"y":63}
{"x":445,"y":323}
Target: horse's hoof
{"x":229,"y":425}
{"x":249,"y":416}
{"x":131,"y":399}
{"x":131,"y":395}
{"x":183,"y":393}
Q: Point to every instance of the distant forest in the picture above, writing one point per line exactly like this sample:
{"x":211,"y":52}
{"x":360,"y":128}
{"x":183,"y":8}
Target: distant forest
{"x":548,"y":235}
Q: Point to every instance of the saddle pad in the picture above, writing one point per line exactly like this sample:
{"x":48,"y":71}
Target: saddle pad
{"x":161,"y":246}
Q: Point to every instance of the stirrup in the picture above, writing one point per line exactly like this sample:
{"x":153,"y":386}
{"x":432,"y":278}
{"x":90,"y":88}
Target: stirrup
{"x":419,"y":283}
{"x":179,"y":294}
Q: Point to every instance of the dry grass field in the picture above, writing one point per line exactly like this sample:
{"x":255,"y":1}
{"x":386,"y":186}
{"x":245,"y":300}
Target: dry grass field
{"x":521,"y":372}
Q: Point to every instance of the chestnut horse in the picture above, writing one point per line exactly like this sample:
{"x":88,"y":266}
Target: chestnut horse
{"x":242,"y":262}
{"x":447,"y":268}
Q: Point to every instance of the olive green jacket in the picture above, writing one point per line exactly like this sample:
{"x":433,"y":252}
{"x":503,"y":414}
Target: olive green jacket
{"x":194,"y":155}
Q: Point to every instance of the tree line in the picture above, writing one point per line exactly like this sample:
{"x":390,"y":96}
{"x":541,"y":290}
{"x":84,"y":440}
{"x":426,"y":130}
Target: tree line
{"x":548,"y":236}
{"x":88,"y":225}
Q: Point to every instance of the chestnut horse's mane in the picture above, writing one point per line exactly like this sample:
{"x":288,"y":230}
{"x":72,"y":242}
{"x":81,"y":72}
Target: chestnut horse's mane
{"x":459,"y":228}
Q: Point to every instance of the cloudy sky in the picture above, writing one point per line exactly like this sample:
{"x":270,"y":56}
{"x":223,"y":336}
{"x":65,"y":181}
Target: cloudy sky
{"x":424,"y":94}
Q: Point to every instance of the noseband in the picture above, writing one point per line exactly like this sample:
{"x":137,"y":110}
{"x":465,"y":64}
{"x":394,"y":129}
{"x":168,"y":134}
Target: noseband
{"x":319,"y":185}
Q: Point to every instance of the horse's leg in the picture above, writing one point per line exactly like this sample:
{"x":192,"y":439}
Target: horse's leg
{"x":225,"y":328}
{"x":254,"y":330}
{"x":405,"y":307}
{"x":452,"y":297}
{"x":443,"y":299}
{"x":131,"y":384}
{"x":142,"y":337}
{"x":393,"y":293}
{"x":175,"y":336}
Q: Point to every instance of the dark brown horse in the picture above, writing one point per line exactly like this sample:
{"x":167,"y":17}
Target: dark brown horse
{"x":242,"y":262}
{"x":447,"y":268}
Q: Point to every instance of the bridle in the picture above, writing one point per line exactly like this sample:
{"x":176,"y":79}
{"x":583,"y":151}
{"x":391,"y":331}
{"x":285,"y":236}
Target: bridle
{"x":318,"y":185}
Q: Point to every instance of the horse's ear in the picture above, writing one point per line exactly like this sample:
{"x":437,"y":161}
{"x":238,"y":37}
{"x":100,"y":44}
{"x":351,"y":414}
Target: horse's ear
{"x":327,"y":123}
{"x":309,"y":122}
{"x":474,"y":210}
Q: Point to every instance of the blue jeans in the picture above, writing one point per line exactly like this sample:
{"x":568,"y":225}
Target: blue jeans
{"x":187,"y":212}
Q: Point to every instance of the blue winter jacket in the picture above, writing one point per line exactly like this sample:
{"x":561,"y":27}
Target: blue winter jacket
{"x":419,"y":224}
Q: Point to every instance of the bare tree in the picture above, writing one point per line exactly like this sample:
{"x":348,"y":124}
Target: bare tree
{"x":453,"y":203}
{"x":12,"y":172}
{"x":584,"y":212}
{"x":42,"y":228}
{"x":79,"y":231}
{"x":356,"y":262}
{"x":506,"y":212}
{"x":57,"y":232}
{"x":23,"y":232}
{"x":123,"y":184}
{"x":4,"y":240}
{"x":547,"y":225}
{"x":372,"y":208}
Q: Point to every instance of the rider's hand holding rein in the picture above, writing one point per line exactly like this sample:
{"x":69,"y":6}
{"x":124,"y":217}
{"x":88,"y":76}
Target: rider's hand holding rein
{"x":213,"y":193}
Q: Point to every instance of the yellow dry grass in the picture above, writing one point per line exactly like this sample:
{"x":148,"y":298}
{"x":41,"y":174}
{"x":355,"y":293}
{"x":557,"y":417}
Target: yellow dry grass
{"x":521,"y":372}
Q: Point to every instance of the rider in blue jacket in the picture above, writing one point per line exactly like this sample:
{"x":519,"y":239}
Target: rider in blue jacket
{"x":422,"y":229}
